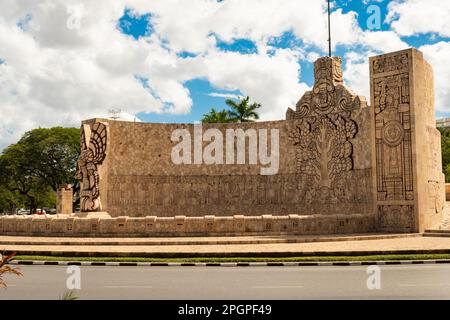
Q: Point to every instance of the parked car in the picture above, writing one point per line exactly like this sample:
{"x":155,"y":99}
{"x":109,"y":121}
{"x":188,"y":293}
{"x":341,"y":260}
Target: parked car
{"x":51,"y":211}
{"x":40,"y":212}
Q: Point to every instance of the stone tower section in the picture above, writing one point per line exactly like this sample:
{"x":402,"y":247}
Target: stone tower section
{"x":408,"y":178}
{"x":331,"y":139}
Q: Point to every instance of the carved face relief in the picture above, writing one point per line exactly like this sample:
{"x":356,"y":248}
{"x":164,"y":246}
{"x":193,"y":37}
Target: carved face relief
{"x":323,"y":97}
{"x":93,"y":153}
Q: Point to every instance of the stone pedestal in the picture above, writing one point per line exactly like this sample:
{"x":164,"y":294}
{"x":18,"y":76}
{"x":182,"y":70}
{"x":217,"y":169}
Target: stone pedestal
{"x":93,"y":215}
{"x":407,"y":165}
{"x":64,"y":203}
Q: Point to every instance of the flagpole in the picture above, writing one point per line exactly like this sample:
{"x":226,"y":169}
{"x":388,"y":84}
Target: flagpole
{"x":329,"y":28}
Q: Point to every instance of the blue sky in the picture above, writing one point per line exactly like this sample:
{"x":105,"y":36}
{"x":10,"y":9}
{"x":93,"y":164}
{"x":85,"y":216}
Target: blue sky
{"x":139,"y":26}
{"x":63,"y":62}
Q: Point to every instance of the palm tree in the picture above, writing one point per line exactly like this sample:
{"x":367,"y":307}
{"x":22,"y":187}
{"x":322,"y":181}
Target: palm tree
{"x":243,"y":111}
{"x":216,"y":117}
{"x":6,"y":269}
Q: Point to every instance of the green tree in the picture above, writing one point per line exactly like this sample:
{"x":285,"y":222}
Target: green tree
{"x":10,"y":201}
{"x":445,"y":133}
{"x":242,"y":110}
{"x":33,"y":168}
{"x":216,"y":117}
{"x":52,"y":154}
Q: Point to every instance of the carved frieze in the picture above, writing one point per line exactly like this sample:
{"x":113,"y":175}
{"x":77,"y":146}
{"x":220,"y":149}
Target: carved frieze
{"x":399,"y":62}
{"x":401,"y":218}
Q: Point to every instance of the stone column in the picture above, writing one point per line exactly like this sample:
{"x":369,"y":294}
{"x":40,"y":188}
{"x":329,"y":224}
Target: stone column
{"x":407,"y":164}
{"x":64,"y":203}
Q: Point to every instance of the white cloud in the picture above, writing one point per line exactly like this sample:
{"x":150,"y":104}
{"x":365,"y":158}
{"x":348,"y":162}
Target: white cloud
{"x":224,"y":95}
{"x":58,"y":74}
{"x":438,"y":55}
{"x":383,"y":41}
{"x":409,"y":17}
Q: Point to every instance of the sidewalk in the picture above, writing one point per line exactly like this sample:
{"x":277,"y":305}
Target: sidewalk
{"x":376,"y":246}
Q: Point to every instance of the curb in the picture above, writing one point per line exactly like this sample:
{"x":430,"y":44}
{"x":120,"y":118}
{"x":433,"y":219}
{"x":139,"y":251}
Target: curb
{"x":227,"y":264}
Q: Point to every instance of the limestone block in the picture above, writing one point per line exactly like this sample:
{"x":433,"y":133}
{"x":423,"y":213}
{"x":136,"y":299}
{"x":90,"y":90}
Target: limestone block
{"x":80,"y":225}
{"x":150,"y":224}
{"x":106,"y":226}
{"x":40,"y":225}
{"x":120,"y":225}
{"x":180,"y":224}
{"x":136,"y":226}
{"x":239,"y":222}
{"x":165,"y":225}
{"x":224,"y":225}
{"x":294,"y":222}
{"x":58,"y":225}
{"x":268,"y":223}
{"x":210,"y":224}
{"x":254,"y":224}
{"x":69,"y":225}
{"x":94,"y":225}
{"x":10,"y":224}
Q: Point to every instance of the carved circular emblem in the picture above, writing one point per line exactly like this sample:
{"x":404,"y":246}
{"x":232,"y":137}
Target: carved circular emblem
{"x":393,"y":133}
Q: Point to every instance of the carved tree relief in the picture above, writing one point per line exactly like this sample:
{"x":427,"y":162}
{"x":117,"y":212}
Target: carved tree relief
{"x":325,"y":129}
{"x":93,"y":152}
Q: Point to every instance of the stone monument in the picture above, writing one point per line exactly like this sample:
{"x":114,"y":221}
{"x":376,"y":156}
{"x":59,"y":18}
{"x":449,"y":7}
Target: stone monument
{"x":407,"y":166}
{"x":334,"y":166}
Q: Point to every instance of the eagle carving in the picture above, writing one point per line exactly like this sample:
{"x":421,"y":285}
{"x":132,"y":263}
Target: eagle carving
{"x":93,"y":153}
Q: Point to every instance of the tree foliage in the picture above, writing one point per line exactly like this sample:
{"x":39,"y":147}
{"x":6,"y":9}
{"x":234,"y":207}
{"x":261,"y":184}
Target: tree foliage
{"x":216,"y":117}
{"x":243,"y":110}
{"x":445,"y":133}
{"x":240,"y":111}
{"x":32,"y":169}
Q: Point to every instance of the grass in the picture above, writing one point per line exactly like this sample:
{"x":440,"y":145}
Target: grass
{"x":69,"y":296}
{"x":407,"y":257}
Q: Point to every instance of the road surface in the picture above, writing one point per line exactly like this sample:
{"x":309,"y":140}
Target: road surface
{"x":180,"y":283}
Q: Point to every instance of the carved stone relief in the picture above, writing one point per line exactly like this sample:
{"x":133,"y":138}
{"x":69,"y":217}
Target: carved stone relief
{"x":391,"y":63}
{"x":435,"y":193}
{"x":193,"y":194}
{"x":324,"y":133}
{"x":393,"y":131}
{"x":93,"y":153}
{"x":396,"y":217}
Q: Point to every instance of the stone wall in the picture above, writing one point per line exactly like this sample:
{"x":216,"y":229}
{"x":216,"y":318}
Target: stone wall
{"x":164,"y":189}
{"x":63,"y":226}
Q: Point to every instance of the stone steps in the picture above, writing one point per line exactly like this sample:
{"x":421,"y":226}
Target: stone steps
{"x":256,"y":240}
{"x":437,"y":233}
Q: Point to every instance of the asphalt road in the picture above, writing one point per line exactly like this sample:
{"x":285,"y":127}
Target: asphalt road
{"x":180,"y":283}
